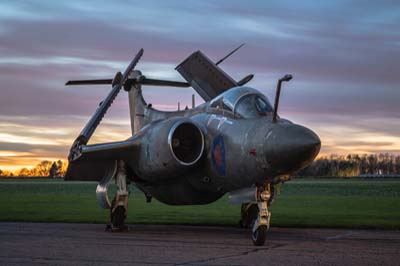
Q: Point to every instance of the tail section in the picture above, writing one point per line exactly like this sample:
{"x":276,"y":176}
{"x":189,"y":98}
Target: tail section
{"x":137,"y":106}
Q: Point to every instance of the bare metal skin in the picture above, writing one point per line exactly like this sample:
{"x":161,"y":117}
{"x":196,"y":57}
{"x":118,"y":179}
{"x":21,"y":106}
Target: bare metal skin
{"x":256,"y":152}
{"x":233,"y":143}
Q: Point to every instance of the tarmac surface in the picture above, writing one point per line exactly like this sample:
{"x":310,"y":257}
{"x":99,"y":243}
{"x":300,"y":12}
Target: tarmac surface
{"x":90,"y":244}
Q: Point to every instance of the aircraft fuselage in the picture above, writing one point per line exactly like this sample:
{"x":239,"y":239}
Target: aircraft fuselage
{"x":238,"y":153}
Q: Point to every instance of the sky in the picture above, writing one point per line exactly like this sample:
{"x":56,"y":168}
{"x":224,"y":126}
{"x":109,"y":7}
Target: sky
{"x":344,"y":56}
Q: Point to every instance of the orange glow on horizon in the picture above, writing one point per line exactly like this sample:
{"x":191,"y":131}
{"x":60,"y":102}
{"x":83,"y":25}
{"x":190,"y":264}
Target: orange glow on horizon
{"x":26,"y":146}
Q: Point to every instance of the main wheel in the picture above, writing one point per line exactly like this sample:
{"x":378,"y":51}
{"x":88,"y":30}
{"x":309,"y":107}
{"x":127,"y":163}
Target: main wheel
{"x":118,"y":217}
{"x":259,"y":235}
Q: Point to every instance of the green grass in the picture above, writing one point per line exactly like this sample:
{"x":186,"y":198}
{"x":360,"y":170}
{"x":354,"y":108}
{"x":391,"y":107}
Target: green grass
{"x":348,"y":203}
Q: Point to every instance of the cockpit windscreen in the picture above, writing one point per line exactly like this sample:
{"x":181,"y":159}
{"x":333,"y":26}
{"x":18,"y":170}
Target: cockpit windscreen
{"x":252,"y":106}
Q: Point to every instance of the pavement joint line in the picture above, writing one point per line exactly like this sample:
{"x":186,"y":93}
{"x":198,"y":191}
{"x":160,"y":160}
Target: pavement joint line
{"x":348,"y":233}
{"x":245,"y":253}
{"x":48,"y":259}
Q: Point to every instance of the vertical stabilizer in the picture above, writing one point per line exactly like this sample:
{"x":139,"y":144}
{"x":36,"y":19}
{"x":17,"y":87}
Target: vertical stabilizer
{"x":136,"y":106}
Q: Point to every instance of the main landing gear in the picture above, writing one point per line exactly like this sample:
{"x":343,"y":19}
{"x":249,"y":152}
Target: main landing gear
{"x":119,"y":205}
{"x":256,"y":215}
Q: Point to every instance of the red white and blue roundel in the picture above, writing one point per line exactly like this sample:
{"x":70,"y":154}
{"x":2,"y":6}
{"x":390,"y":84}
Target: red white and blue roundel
{"x":218,"y":155}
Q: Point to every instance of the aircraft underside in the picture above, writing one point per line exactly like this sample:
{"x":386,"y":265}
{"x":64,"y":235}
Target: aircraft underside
{"x":181,"y":194}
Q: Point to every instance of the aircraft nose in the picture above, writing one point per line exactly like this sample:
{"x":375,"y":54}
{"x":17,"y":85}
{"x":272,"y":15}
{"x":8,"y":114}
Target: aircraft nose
{"x":291,"y":147}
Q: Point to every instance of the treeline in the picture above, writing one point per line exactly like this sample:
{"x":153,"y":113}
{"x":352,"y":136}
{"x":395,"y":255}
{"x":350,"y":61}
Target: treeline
{"x":354,"y":165}
{"x":329,"y":166}
{"x":45,"y":168}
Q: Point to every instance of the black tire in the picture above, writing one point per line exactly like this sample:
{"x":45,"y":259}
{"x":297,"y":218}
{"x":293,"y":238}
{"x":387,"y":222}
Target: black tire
{"x":259,"y":235}
{"x":118,"y":217}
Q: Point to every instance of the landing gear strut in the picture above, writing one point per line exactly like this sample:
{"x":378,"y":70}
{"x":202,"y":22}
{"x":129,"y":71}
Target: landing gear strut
{"x":257,"y":216}
{"x":119,"y":205}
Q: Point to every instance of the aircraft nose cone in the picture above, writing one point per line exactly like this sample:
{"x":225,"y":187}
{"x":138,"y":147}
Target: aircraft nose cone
{"x":291,"y":147}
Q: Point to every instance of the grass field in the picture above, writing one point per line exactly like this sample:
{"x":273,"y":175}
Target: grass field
{"x":350,"y":203}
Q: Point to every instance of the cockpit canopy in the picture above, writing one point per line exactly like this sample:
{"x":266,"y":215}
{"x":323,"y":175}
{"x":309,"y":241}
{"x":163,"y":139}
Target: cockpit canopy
{"x":243,"y":102}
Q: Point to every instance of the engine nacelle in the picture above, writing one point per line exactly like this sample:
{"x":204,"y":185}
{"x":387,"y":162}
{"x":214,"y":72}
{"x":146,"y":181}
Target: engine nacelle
{"x":170,"y":148}
{"x":186,"y":142}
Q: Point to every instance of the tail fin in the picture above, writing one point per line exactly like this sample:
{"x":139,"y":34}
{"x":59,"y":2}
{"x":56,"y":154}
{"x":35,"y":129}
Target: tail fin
{"x":137,"y":106}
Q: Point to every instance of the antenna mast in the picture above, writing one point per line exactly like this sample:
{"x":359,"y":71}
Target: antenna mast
{"x":228,"y":55}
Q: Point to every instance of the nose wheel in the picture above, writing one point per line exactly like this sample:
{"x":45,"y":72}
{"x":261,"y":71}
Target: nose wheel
{"x":259,"y":235}
{"x":261,"y":225}
{"x":257,"y":216}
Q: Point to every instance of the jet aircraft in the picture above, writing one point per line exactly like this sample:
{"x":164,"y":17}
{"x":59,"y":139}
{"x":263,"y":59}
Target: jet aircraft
{"x":235,"y":143}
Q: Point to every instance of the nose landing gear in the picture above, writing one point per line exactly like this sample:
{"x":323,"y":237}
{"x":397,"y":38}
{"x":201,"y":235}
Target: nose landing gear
{"x":257,"y":216}
{"x":261,"y":225}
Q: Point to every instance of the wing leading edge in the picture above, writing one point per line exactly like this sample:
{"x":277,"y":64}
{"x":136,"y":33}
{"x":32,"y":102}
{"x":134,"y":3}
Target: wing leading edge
{"x":97,"y":159}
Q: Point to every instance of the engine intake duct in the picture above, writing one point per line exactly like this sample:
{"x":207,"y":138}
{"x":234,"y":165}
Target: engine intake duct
{"x":169,"y":149}
{"x":186,"y":142}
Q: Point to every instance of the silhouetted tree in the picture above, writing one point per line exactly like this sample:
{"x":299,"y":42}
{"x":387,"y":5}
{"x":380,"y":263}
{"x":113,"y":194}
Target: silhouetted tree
{"x":42,"y":169}
{"x":24,"y":172}
{"x":53,"y":170}
{"x":354,"y":165}
{"x":61,"y":168}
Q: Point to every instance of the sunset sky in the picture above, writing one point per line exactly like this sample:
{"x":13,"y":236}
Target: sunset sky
{"x":344,"y":56}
